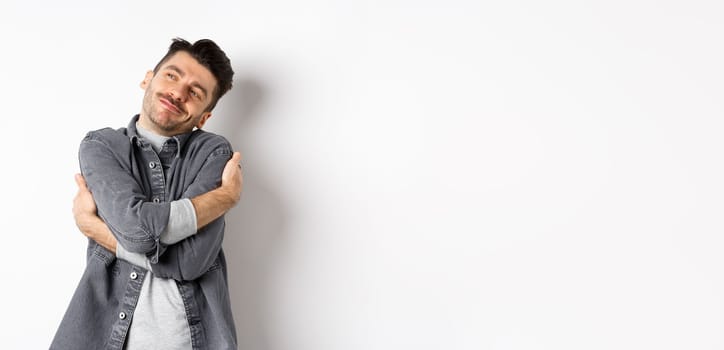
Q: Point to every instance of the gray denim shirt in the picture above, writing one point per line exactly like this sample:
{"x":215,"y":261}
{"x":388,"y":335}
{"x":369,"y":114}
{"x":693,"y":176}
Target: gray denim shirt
{"x":132,"y":195}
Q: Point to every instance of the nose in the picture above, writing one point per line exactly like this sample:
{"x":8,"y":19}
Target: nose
{"x":179,"y":95}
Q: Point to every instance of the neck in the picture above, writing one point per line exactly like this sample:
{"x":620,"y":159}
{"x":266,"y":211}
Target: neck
{"x":146,"y":123}
{"x":151,"y":136}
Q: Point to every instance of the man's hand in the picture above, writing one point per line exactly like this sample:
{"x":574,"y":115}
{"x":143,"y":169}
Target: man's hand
{"x":84,"y":206}
{"x":213,"y":204}
{"x":232,"y":179}
{"x":84,"y":213}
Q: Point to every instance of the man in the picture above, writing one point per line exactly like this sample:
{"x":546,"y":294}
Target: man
{"x":151,"y":200}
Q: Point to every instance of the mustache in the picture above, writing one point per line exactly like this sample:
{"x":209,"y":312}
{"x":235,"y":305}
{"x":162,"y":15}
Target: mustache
{"x":172,"y":101}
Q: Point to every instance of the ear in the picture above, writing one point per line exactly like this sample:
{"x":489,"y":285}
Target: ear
{"x":204,"y":117}
{"x":147,"y":80}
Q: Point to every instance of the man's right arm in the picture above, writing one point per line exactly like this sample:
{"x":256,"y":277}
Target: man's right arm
{"x":121,"y":201}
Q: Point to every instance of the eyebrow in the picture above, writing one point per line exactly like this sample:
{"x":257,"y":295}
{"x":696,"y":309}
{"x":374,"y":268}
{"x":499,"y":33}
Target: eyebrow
{"x":193,"y":83}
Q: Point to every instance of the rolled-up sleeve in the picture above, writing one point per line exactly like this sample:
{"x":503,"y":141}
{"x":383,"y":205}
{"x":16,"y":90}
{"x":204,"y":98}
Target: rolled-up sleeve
{"x":135,"y":222}
{"x":181,"y":222}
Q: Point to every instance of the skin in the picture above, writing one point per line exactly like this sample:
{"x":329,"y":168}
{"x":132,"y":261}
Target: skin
{"x":177,"y":96}
{"x":174,"y":102}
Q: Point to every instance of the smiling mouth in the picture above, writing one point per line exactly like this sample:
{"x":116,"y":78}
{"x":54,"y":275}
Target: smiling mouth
{"x":170,"y":105}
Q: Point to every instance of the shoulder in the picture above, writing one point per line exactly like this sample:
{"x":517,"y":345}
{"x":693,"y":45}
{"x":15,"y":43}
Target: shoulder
{"x":103,"y":143}
{"x":208,"y":144}
{"x":108,"y":136}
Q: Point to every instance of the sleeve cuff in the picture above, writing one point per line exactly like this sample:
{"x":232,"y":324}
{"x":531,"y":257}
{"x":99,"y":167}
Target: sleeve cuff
{"x":181,"y":222}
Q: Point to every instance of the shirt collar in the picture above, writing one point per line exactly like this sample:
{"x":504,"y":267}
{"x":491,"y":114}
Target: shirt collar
{"x":134,"y":136}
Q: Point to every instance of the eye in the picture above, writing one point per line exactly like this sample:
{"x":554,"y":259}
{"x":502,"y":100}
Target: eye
{"x":170,"y":76}
{"x":194,"y":93}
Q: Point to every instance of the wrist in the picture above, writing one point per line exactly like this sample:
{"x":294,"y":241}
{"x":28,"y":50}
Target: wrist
{"x":86,"y":223}
{"x":229,"y":194}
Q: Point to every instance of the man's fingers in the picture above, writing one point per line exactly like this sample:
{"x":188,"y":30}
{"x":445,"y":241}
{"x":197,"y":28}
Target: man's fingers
{"x":236,"y":157}
{"x":80,"y":181}
{"x":83,"y":202}
{"x":233,"y":164}
{"x":232,"y":177}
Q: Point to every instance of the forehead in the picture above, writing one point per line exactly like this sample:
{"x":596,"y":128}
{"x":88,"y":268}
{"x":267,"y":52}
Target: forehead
{"x":191,"y":69}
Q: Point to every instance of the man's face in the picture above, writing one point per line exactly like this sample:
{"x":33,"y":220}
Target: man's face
{"x":176,"y":96}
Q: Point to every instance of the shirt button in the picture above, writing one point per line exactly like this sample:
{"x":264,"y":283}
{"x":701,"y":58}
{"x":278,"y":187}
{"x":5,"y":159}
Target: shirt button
{"x":134,"y":275}
{"x":152,"y":165}
{"x":122,"y":315}
{"x":156,"y":200}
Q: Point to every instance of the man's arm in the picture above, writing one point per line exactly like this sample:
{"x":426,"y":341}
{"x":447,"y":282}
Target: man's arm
{"x":84,"y":212}
{"x":121,"y":201}
{"x":213,"y":204}
{"x":192,"y":256}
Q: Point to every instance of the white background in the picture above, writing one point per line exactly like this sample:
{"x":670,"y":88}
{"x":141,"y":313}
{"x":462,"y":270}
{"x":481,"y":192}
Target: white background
{"x":419,"y":174}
